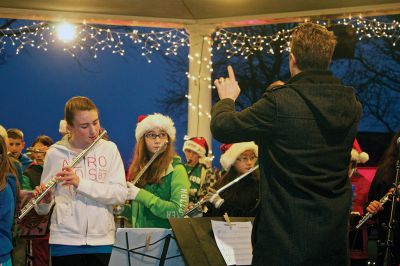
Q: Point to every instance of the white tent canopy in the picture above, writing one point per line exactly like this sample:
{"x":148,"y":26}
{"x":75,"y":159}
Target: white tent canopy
{"x":200,"y":18}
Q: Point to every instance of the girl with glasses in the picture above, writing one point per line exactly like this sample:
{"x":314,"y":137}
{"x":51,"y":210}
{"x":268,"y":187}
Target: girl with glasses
{"x":162,"y":191}
{"x":240,"y":199}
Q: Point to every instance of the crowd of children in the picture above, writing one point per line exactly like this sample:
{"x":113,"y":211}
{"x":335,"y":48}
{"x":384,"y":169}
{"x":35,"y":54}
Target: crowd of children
{"x":157,"y":185}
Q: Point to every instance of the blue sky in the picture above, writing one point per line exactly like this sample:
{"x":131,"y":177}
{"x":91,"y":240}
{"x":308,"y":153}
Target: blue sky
{"x":36,"y":85}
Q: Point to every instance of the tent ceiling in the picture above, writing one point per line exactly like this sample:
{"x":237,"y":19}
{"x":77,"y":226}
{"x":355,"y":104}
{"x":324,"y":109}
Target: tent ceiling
{"x":171,"y":13}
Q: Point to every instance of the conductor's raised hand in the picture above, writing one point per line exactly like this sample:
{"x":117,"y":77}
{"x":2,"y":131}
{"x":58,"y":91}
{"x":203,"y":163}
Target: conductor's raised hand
{"x":68,"y":177}
{"x":228,"y":87}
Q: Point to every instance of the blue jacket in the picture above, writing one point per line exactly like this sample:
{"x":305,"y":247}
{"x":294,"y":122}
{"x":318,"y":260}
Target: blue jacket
{"x":8,"y":199}
{"x":25,"y":161}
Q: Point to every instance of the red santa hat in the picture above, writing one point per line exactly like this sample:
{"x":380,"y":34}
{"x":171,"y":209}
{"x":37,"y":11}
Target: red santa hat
{"x":232,"y":151}
{"x":198,"y":145}
{"x":146,"y":123}
{"x":357,"y":154}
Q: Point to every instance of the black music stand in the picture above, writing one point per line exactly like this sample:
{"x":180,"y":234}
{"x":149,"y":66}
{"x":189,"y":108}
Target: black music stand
{"x":132,"y":248}
{"x":196,"y":240}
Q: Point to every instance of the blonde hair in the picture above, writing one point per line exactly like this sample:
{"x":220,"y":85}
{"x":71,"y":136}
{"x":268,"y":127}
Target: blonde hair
{"x":313,"y":46}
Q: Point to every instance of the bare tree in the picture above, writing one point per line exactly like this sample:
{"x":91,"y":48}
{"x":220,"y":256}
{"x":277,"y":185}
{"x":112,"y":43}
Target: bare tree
{"x":373,"y":72}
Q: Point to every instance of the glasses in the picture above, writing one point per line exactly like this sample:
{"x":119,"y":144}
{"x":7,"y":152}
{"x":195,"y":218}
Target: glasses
{"x":245,"y":159}
{"x":162,"y":135}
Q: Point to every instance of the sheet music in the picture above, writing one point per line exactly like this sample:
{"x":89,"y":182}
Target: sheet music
{"x":234,"y":242}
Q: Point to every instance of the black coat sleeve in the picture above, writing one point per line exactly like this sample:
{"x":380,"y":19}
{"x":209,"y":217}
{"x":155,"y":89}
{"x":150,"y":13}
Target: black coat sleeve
{"x":230,"y":126}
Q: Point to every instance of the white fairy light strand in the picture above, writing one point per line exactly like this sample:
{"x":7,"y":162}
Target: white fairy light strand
{"x":24,"y":36}
{"x":237,"y":43}
{"x":95,"y":39}
{"x":199,"y":108}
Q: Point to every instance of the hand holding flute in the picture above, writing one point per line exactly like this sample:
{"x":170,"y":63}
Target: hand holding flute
{"x":66,"y":177}
{"x":39,"y":190}
{"x":374,"y":207}
{"x":217,"y":198}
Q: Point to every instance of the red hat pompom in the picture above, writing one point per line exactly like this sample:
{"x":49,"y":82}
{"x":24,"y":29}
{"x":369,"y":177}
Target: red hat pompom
{"x":225,"y":147}
{"x":140,"y":118}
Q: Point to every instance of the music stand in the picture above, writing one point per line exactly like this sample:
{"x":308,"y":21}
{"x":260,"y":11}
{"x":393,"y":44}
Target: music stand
{"x":133,"y":248}
{"x":196,"y":240}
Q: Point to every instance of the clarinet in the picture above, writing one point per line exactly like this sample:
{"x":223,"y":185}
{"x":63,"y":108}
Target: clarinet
{"x":53,"y":181}
{"x":234,"y":181}
{"x":366,"y":217}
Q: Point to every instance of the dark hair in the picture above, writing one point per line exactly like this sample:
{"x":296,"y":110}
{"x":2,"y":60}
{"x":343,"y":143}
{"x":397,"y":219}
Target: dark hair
{"x":387,"y":165}
{"x":230,"y":194}
{"x":76,"y":104}
{"x":313,"y":46}
{"x":15,"y":133}
{"x":45,"y":140}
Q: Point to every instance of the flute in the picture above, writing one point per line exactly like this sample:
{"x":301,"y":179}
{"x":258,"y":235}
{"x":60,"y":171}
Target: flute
{"x":53,"y":181}
{"x":234,"y":181}
{"x":155,"y":155}
{"x":382,"y":201}
{"x":118,"y":209}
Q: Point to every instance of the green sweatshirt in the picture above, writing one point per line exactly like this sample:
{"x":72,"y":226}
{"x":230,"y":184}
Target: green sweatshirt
{"x":157,"y":202}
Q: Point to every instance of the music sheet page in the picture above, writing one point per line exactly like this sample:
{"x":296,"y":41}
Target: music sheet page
{"x":234,"y":241}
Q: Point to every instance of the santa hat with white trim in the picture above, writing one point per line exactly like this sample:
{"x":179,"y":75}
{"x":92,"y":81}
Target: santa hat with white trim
{"x":232,"y":151}
{"x":198,"y":145}
{"x":357,"y":154}
{"x":146,"y":123}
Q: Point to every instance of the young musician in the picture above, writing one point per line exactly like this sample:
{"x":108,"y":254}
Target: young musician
{"x":16,"y":144}
{"x":8,"y":198}
{"x":162,"y":191}
{"x":200,"y":176}
{"x":82,"y":229}
{"x":37,"y":247}
{"x":382,"y":183}
{"x":358,"y":239}
{"x":38,"y":152}
{"x":241,"y":199}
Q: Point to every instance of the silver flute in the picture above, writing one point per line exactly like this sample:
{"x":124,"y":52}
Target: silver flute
{"x":234,"y":181}
{"x":155,"y":155}
{"x":366,"y":217}
{"x":53,"y":181}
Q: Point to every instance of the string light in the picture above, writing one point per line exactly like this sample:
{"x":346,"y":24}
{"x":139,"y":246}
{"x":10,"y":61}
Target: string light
{"x":82,"y":37}
{"x":199,"y":108}
{"x":95,"y":39}
{"x":240,"y":44}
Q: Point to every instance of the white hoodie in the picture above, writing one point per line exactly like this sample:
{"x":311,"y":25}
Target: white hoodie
{"x":83,"y":216}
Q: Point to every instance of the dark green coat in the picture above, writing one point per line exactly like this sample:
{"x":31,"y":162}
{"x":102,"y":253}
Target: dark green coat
{"x":305,"y":131}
